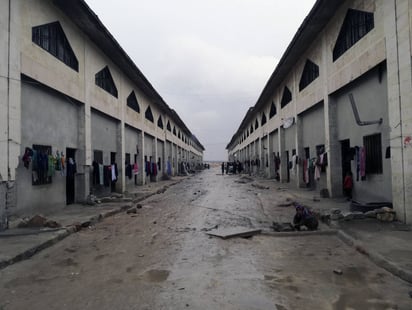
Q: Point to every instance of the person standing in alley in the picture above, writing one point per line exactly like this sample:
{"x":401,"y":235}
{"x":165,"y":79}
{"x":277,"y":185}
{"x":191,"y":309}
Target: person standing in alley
{"x":348,"y":185}
{"x":223,"y":168}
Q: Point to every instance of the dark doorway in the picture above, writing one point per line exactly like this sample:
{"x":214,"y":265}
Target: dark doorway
{"x":70,"y":175}
{"x":287,"y":167}
{"x":347,"y":156}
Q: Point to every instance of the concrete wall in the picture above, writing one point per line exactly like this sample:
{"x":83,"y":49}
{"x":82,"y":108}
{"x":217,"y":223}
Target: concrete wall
{"x":133,"y":139}
{"x":370,"y":93}
{"x":48,"y":119}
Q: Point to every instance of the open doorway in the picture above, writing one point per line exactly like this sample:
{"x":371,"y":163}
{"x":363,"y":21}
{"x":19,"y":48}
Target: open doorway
{"x":70,"y":175}
{"x":347,"y":156}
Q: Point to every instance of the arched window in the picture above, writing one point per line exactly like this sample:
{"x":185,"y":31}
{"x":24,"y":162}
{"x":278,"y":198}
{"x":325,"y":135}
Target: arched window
{"x":132,"y":102}
{"x":104,"y":80}
{"x":355,"y":26}
{"x":286,"y":98}
{"x":263,"y":119}
{"x":168,"y":127}
{"x":160,"y":122}
{"x":149,"y":115}
{"x":309,"y":74}
{"x":272,"y":110}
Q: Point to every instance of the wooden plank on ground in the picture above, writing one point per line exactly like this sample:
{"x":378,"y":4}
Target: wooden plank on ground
{"x":232,"y":232}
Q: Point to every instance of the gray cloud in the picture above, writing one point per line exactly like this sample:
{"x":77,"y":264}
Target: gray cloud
{"x":209,"y":60}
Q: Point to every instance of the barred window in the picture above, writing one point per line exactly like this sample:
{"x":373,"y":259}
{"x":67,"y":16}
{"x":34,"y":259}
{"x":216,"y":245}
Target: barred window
{"x":263,"y":119}
{"x":373,"y":150}
{"x":355,"y":26}
{"x":132,"y":102}
{"x":51,"y":38}
{"x":272,"y":110}
{"x":286,"y":97}
{"x":104,"y":80}
{"x":309,"y":74}
{"x":149,"y":115}
{"x":160,"y":122}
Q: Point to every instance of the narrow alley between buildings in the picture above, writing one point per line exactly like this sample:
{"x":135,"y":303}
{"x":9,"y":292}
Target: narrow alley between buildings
{"x":160,"y":256}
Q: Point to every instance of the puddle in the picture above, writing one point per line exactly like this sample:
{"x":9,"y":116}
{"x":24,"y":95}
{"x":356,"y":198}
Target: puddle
{"x":155,"y":275}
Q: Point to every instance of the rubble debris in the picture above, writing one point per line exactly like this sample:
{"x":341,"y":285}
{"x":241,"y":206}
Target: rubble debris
{"x":338,"y":271}
{"x":226,"y":233}
{"x":210,"y":228}
{"x":52,"y":224}
{"x":259,"y":186}
{"x":385,"y":214}
{"x":138,"y":206}
{"x":132,"y":211}
{"x":37,"y":221}
{"x":282,"y":227}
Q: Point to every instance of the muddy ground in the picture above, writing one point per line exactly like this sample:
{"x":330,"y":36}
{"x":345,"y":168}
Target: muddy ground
{"x":162,"y":258}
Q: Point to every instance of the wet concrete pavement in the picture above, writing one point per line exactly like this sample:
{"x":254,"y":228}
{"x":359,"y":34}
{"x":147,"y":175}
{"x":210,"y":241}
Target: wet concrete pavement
{"x":162,"y":258}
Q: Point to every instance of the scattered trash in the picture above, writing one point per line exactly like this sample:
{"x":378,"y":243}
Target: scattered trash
{"x":316,"y":199}
{"x":234,"y":232}
{"x":138,"y":206}
{"x":155,"y":222}
{"x":338,"y":271}
{"x":140,"y":255}
{"x":181,"y":288}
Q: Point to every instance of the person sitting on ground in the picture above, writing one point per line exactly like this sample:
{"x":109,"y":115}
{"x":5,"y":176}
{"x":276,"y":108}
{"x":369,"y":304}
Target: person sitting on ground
{"x":348,"y":185}
{"x":304,"y":217}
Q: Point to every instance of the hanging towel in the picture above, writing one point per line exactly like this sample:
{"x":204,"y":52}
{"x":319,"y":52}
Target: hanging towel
{"x":113,"y":173}
{"x":362,"y":163}
{"x":357,"y":162}
{"x":101,"y":174}
{"x":317,"y":172}
{"x":135,"y":169}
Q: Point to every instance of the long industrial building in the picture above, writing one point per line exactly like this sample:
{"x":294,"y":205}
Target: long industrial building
{"x":339,"y":101}
{"x":77,"y":116}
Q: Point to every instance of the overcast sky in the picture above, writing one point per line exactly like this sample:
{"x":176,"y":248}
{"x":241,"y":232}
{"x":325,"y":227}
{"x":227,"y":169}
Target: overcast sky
{"x":209,"y":60}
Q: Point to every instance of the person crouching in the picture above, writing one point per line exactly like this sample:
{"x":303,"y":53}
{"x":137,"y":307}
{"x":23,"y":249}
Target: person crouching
{"x":304,"y":217}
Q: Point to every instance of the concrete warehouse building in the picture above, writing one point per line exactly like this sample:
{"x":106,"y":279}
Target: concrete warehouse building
{"x":76,"y":114}
{"x":339,"y":100}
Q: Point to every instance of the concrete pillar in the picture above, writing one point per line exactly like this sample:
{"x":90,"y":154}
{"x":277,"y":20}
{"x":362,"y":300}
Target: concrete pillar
{"x":83,"y":154}
{"x":398,"y":50}
{"x":300,"y":152}
{"x":142,"y":161}
{"x":156,"y":157}
{"x":332,"y":145}
{"x":283,"y":173}
{"x":120,"y":157}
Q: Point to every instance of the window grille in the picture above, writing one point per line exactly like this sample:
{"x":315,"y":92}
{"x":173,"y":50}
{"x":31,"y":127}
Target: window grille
{"x":51,"y":38}
{"x":309,"y":74}
{"x":286,"y":97}
{"x":132,"y":102}
{"x":149,"y":115}
{"x":104,"y":80}
{"x":272,"y":110}
{"x":160,"y":122}
{"x":355,"y":26}
{"x":373,"y":150}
